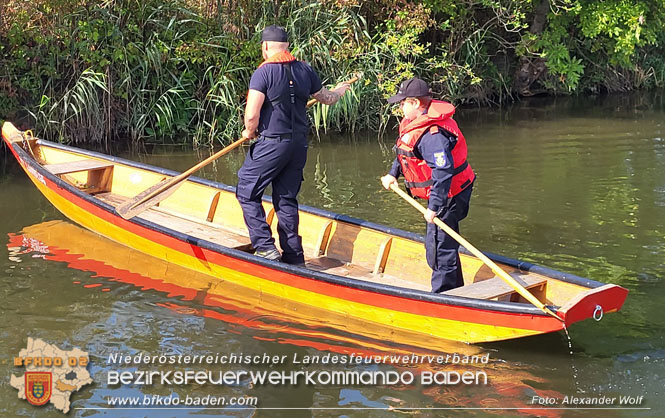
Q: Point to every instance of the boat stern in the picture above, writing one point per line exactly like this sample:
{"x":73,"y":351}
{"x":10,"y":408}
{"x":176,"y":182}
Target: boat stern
{"x":594,"y":303}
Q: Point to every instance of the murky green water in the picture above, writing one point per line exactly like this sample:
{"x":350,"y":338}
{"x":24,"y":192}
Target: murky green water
{"x":576,"y":185}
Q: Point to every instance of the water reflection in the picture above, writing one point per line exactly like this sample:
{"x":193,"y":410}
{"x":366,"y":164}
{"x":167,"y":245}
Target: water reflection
{"x":237,"y":314}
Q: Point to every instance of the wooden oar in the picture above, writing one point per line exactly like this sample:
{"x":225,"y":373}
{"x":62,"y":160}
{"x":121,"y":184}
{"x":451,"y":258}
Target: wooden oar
{"x":165,"y":188}
{"x":496,"y":269}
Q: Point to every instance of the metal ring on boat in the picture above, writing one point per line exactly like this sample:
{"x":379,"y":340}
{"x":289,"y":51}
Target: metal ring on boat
{"x":598,"y":313}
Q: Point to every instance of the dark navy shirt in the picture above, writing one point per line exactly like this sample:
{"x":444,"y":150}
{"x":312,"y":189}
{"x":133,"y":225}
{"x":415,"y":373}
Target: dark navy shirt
{"x":436,"y":150}
{"x":272,"y":80}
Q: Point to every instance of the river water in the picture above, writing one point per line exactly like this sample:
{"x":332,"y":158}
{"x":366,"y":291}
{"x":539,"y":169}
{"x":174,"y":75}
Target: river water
{"x":577,"y":185}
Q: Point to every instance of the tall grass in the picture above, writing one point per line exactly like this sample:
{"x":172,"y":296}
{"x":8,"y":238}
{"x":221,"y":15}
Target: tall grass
{"x":78,"y":114}
{"x":219,"y":112}
{"x":177,"y":71}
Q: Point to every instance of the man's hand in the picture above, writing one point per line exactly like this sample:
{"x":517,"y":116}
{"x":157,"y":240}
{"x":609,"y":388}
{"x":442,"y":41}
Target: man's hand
{"x":328,"y":97}
{"x":387,"y":180}
{"x":342,"y":88}
{"x":246,"y":133}
{"x":429,"y":216}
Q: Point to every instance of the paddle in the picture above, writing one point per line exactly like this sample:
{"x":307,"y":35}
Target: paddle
{"x":473,"y":250}
{"x":165,"y":188}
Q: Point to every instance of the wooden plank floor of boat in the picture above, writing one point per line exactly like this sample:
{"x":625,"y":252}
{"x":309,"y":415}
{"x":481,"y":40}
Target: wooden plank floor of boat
{"x":232,"y":239}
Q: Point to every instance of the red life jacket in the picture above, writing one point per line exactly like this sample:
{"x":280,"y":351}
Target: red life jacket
{"x":417,"y":174}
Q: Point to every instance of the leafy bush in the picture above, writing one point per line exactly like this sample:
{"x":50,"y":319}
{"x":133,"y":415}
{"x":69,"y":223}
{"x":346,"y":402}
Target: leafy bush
{"x":178,"y":70}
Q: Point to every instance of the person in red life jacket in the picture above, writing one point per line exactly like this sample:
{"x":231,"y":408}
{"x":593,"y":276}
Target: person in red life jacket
{"x":276,"y":115}
{"x":431,"y":155}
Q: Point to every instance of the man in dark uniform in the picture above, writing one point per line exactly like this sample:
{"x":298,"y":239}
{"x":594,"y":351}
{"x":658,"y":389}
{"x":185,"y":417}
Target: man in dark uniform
{"x":431,"y":154}
{"x":276,"y":114}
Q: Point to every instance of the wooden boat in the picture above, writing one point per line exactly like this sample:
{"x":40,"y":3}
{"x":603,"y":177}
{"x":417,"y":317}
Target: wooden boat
{"x":356,"y":269}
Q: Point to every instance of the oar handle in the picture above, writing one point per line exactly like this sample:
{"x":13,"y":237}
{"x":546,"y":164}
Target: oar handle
{"x":496,"y":269}
{"x":349,"y":81}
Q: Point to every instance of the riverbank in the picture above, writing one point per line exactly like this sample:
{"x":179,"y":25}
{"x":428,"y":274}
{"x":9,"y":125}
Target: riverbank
{"x":176,"y":71}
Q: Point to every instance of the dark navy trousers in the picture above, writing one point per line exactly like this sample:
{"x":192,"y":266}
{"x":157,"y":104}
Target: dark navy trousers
{"x":441,"y":249}
{"x":278,"y":162}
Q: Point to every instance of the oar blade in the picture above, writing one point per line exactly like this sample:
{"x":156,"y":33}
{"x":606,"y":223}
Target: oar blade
{"x":136,"y":204}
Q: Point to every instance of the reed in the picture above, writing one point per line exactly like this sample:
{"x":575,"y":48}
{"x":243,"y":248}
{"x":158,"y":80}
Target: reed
{"x":177,"y":71}
{"x":79,"y":113}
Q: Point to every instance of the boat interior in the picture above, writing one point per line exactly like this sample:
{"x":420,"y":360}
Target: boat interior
{"x":331,"y":246}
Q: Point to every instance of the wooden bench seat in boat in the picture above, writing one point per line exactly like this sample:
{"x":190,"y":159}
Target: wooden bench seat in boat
{"x":340,"y":268}
{"x":91,"y":176}
{"x":77,"y":166}
{"x":496,"y":287}
{"x":185,"y":224}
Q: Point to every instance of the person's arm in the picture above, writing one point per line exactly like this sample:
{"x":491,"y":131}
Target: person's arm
{"x":252,"y":113}
{"x":329,"y":97}
{"x":392,"y":175}
{"x":396,"y":169}
{"x":436,"y":151}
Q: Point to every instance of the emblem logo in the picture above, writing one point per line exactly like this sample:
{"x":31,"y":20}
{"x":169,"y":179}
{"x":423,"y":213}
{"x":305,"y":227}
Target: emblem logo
{"x":51,"y":374}
{"x":440,"y":159}
{"x":38,"y":387}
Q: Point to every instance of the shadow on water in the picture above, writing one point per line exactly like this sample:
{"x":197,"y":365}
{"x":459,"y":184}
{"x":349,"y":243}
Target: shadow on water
{"x":7,"y":162}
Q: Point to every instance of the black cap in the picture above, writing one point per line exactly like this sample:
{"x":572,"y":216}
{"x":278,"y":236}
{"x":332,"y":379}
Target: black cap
{"x":274,"y":33}
{"x":413,"y":87}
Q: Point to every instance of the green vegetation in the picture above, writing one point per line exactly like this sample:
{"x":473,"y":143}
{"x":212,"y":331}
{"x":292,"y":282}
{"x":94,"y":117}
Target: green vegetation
{"x":178,"y":70}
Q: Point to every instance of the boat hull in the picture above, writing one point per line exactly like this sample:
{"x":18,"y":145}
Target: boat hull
{"x":436,"y":317}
